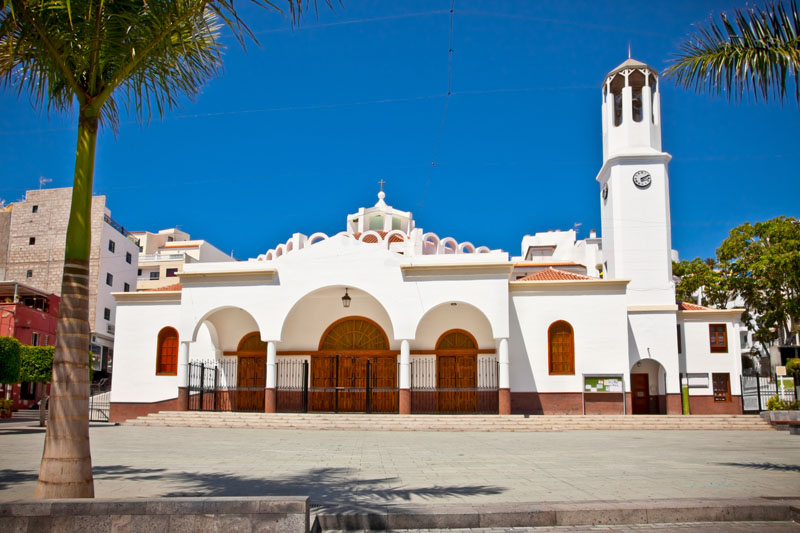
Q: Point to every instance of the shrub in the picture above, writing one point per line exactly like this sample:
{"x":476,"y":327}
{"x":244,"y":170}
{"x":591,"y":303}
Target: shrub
{"x":9,"y":360}
{"x":776,"y":404}
{"x":793,"y":368}
{"x":5,"y":406}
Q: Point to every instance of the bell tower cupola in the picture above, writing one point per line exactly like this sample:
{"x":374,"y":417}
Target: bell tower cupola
{"x":631,"y":110}
{"x":634,"y":186}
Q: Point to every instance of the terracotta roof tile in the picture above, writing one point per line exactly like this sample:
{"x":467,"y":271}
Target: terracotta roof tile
{"x":546,"y":264}
{"x":173,"y":287}
{"x":689,"y":306}
{"x":552,"y":274}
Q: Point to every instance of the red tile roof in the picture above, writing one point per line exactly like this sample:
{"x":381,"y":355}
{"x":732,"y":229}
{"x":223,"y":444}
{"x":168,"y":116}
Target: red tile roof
{"x":173,"y":287}
{"x":689,"y":306}
{"x":552,"y":274}
{"x":546,"y":264}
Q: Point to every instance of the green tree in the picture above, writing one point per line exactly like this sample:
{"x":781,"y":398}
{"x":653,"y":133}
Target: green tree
{"x":36,"y":366}
{"x":9,"y":361}
{"x":96,"y":56}
{"x":701,"y":277}
{"x":756,"y":51}
{"x":761,"y":263}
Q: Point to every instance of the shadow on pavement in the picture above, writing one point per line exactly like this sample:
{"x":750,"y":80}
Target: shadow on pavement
{"x":766,"y":466}
{"x":10,"y":477}
{"x":332,"y":487}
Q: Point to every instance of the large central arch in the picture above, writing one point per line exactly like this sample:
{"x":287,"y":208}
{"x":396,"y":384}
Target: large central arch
{"x":354,"y":370}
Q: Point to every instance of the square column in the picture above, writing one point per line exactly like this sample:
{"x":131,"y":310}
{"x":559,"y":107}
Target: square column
{"x":504,"y":378}
{"x":271,"y":393}
{"x":404,"y":379}
{"x":183,"y":377}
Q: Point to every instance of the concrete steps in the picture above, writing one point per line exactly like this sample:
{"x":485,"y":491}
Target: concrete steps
{"x":365,"y":422}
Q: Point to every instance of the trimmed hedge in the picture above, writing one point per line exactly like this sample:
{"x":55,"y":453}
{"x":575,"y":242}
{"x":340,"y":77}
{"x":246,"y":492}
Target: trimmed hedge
{"x":9,"y":360}
{"x":37,"y":363}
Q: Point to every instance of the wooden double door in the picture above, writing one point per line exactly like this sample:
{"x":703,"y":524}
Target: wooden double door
{"x":251,"y":379}
{"x":339,"y":383}
{"x":457,"y":382}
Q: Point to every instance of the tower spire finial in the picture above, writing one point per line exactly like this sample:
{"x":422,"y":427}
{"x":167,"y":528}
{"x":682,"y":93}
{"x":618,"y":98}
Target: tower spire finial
{"x":629,"y":49}
{"x":381,"y":194}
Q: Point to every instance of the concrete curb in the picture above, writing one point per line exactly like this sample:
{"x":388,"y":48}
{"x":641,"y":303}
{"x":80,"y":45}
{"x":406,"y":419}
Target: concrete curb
{"x":557,"y":514}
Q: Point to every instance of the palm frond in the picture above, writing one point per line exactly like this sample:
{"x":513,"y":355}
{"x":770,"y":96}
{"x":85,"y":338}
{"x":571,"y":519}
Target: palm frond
{"x":756,"y":52}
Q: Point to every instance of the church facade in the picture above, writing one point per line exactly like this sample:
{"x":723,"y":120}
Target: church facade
{"x":385,"y":317}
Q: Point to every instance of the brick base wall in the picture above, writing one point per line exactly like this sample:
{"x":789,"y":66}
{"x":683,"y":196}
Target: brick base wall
{"x":122,"y":411}
{"x":705,"y":405}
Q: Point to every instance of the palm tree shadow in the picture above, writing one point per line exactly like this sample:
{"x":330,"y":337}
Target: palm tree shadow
{"x":10,"y":477}
{"x":331,"y":488}
{"x":766,"y":466}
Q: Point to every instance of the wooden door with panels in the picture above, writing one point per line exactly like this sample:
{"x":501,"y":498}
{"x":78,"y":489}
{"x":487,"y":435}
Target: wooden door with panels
{"x":640,"y":391}
{"x":252,"y":380}
{"x":456,"y":373}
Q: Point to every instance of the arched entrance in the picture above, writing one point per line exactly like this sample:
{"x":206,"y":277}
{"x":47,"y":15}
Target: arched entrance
{"x":456,"y":372}
{"x":354,"y":370}
{"x":648,"y":388}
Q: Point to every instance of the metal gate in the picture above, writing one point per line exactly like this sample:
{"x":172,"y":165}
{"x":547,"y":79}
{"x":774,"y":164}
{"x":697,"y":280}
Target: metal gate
{"x":292,"y":386}
{"x":99,"y":401}
{"x":756,"y":392}
{"x":428,"y":398}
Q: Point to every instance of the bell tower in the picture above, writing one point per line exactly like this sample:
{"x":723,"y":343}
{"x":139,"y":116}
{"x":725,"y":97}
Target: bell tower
{"x":634,"y":186}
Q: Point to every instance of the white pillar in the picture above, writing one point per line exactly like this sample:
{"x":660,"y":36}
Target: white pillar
{"x":272,"y":365}
{"x":504,"y":379}
{"x":183,"y":364}
{"x":405,"y":364}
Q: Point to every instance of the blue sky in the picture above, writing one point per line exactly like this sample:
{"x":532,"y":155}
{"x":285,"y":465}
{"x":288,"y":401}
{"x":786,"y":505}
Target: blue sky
{"x":294,"y":135}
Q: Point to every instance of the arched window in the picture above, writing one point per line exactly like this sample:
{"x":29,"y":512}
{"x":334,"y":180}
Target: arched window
{"x":456,"y":339}
{"x":354,"y":333}
{"x":561,"y":348}
{"x":167,"y":357}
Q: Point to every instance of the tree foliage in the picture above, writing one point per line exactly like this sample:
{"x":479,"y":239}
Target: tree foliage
{"x":9,"y":360}
{"x":755,"y":51}
{"x":701,"y":282}
{"x":36,"y":363}
{"x":759,"y":263}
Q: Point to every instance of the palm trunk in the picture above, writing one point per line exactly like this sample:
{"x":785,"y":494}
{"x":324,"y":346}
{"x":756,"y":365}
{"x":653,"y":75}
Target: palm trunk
{"x":66,"y":469}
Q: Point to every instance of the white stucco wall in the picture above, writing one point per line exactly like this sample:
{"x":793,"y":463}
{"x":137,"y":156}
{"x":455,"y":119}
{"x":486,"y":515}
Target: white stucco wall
{"x":401,"y":300}
{"x":598,"y":320}
{"x":135,"y":378}
{"x":697,"y":347}
{"x":653,"y":335}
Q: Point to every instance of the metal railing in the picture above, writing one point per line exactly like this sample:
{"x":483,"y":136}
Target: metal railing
{"x":143,"y":258}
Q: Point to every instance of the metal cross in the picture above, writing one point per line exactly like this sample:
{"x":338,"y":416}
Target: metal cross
{"x":381,"y":183}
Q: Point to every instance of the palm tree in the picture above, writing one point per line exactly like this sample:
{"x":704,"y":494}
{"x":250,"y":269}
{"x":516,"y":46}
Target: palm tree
{"x":96,"y":55}
{"x":757,"y":52}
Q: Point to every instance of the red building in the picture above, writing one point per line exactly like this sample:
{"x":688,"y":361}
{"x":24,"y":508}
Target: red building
{"x":30,"y":315}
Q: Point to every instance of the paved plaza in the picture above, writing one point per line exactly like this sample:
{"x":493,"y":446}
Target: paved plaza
{"x":364,"y":469}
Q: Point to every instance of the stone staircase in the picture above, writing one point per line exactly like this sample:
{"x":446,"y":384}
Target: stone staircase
{"x":365,"y":422}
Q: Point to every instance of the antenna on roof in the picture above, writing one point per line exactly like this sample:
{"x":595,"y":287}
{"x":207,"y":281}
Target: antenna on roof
{"x":629,"y":49}
{"x":44,"y":181}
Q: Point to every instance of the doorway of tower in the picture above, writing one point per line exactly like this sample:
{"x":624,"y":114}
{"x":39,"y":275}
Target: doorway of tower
{"x":640,"y":390}
{"x":354,"y":370}
{"x":648,"y":388}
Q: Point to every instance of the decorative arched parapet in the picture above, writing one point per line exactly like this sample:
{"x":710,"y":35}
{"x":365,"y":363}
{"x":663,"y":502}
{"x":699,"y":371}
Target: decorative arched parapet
{"x":370,"y":237}
{"x":466,"y":248}
{"x":395,"y":239}
{"x":482,"y":250}
{"x":448,"y":245}
{"x":430,"y":243}
{"x":315,"y":238}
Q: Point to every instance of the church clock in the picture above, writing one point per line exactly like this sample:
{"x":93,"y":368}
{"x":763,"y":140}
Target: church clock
{"x":642,"y":179}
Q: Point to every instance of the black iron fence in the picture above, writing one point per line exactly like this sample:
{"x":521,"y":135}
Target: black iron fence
{"x":292,"y":386}
{"x":99,"y":401}
{"x":756,"y":392}
{"x":474,"y":392}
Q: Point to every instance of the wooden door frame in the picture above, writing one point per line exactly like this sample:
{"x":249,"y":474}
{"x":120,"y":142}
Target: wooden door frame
{"x":646,"y":392}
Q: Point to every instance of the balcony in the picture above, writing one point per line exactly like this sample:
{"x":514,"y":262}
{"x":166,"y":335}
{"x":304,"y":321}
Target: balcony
{"x":143,"y":258}
{"x":110,"y":329}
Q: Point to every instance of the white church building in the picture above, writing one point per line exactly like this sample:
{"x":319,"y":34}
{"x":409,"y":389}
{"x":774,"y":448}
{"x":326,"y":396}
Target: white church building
{"x":386,"y":317}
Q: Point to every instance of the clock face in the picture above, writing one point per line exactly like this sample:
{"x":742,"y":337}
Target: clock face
{"x":605,"y":191}
{"x":642,"y":179}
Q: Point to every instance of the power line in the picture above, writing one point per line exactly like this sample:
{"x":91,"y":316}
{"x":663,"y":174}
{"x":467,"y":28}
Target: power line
{"x":446,"y":103}
{"x":355,"y":21}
